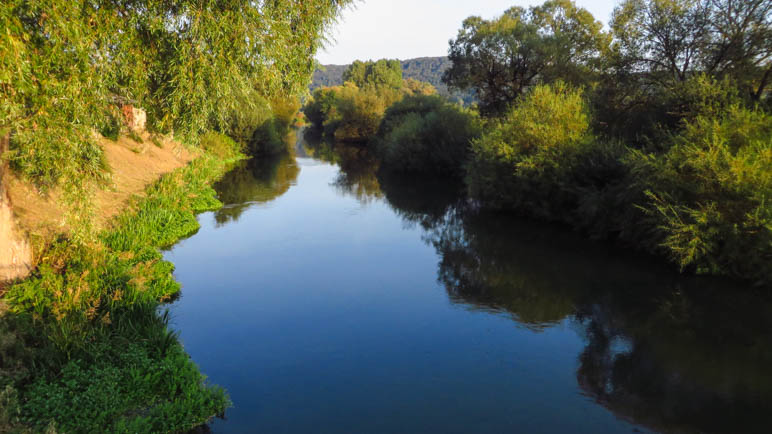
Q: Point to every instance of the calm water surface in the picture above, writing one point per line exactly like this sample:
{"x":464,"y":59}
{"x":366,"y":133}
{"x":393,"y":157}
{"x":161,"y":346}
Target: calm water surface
{"x":328,"y":297}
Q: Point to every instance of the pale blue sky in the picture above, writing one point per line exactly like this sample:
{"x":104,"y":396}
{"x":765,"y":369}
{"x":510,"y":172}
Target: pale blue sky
{"x":404,"y":29}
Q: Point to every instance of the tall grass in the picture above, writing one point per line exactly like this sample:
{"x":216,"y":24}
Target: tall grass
{"x":104,"y":358}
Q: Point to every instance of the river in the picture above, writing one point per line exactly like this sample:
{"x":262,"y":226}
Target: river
{"x":330,"y":297}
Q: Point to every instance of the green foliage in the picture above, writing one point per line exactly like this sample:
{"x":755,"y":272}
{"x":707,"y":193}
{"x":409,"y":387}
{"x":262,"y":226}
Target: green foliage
{"x":710,"y":194}
{"x":415,"y":87}
{"x":680,"y":83}
{"x":426,"y":134}
{"x":218,"y":144}
{"x":349,"y":113}
{"x":670,"y":40}
{"x":661,"y":110}
{"x":704,"y":202}
{"x":247,"y":114}
{"x":273,"y":137}
{"x":666,"y":50}
{"x":422,"y":69}
{"x":358,"y":112}
{"x":524,"y":160}
{"x":501,"y":58}
{"x":261,"y":126}
{"x":104,"y":357}
{"x":67,"y":67}
{"x":353,"y":111}
{"x":125,"y":389}
{"x":318,"y":108}
{"x":377,"y":74}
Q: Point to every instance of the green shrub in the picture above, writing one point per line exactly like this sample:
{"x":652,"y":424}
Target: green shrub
{"x":357,"y":113}
{"x":318,"y":108}
{"x":65,"y":65}
{"x":273,"y":136}
{"x":524,"y":160}
{"x":353,"y":112}
{"x":711,"y":194}
{"x":218,"y":144}
{"x":130,"y":389}
{"x":426,"y":134}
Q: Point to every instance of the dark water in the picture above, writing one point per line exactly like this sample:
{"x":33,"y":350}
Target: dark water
{"x":328,"y":297}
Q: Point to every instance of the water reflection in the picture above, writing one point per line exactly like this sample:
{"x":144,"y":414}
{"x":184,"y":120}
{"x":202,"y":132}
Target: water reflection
{"x":358,"y":168}
{"x":672,"y":353}
{"x":252,"y":182}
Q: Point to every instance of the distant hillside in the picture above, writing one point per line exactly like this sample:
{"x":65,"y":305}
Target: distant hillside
{"x":328,"y":75}
{"x":428,"y":69}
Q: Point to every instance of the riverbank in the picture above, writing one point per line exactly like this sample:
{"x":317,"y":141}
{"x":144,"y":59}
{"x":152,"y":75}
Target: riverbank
{"x":82,"y":343}
{"x":31,"y":219}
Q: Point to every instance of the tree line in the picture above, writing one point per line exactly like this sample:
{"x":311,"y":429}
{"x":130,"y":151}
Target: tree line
{"x":655,"y":133}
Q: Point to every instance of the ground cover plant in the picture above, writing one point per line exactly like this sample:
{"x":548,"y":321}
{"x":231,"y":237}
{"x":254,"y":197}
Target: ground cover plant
{"x":98,"y":353}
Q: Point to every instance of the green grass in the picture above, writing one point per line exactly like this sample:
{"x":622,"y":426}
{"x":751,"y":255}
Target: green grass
{"x":88,"y":349}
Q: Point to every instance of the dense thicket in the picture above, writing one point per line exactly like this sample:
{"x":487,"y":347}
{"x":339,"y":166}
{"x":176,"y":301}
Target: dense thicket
{"x":403,"y":122}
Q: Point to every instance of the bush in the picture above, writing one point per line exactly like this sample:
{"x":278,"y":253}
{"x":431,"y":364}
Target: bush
{"x":272,"y":137}
{"x":426,"y":134}
{"x":348,"y":113}
{"x":662,"y":110}
{"x":524,"y":160}
{"x":710,"y":194}
{"x":219,"y":144}
{"x":262,"y":126}
{"x":318,"y":108}
{"x":353,"y":112}
{"x":703,"y":200}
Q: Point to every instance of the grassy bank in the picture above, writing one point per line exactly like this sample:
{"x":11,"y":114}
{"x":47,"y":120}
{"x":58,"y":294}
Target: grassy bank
{"x":85,"y":344}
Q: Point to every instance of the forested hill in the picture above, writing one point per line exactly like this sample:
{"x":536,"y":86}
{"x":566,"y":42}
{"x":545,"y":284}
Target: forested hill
{"x":428,"y":69}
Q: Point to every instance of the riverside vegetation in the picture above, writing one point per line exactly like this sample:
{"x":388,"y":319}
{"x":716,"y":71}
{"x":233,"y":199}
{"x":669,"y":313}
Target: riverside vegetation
{"x":656,"y":133}
{"x":84,"y":343}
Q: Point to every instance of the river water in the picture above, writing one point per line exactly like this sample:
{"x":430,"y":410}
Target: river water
{"x":330,"y":297}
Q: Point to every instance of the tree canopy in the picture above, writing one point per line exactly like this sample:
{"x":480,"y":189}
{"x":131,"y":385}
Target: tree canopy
{"x":501,"y":58}
{"x":381,"y":73}
{"x":672,"y":40}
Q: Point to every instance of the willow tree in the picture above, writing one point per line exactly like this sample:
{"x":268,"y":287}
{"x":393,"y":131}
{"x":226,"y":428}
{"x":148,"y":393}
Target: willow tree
{"x":66,"y":66}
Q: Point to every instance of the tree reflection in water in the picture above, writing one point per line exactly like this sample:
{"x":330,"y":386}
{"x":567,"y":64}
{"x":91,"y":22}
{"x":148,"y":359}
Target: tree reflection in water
{"x":252,"y":182}
{"x":673,"y":353}
{"x":357,"y":176}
